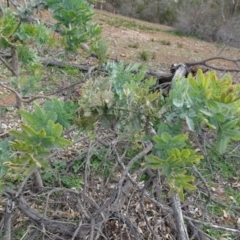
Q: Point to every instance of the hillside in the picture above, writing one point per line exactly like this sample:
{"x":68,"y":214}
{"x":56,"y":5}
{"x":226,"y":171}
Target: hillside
{"x":128,"y":38}
{"x":152,"y":45}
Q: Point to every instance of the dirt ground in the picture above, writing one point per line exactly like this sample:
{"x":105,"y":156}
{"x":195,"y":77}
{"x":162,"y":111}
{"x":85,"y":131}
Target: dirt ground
{"x":6,"y":98}
{"x":164,"y":48}
{"x":160,"y":47}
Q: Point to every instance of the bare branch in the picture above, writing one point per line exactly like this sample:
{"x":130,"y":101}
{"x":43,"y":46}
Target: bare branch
{"x":20,"y":189}
{"x":177,"y":212}
{"x":213,"y":225}
{"x":132,"y":227}
{"x":7,"y":219}
{"x":87,"y":166}
{"x":19,"y":100}
{"x":55,"y":62}
{"x":204,"y":63}
{"x":199,"y":232}
{"x":8,"y":66}
{"x":196,"y":172}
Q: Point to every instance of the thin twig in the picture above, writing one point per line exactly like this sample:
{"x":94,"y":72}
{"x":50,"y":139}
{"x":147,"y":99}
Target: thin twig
{"x":7,"y":65}
{"x":132,"y":227}
{"x":19,"y":99}
{"x":206,"y":186}
{"x":87,"y":166}
{"x":77,"y":229}
{"x":204,"y":63}
{"x":20,"y":189}
{"x":199,"y":231}
{"x":118,"y":189}
{"x":213,"y":225}
{"x":157,"y":203}
{"x":177,"y":212}
{"x":229,"y":37}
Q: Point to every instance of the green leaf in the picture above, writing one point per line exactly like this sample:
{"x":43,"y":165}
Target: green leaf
{"x":65,"y":111}
{"x":166,"y":142}
{"x":179,"y":182}
{"x":230,"y":124}
{"x":222,"y":141}
{"x":181,"y":194}
{"x":44,"y":164}
{"x":178,"y":102}
{"x":172,"y":160}
{"x":193,"y":159}
{"x":199,"y":77}
{"x":180,"y":139}
{"x":63,"y":142}
{"x":5,"y":154}
{"x":57,"y":130}
{"x":39,"y":118}
{"x":32,"y":132}
{"x":53,"y":129}
{"x":153,"y":162}
{"x":193,"y":83}
{"x":185,"y":153}
{"x":174,"y":151}
{"x":166,"y":137}
{"x":19,"y":135}
{"x":22,"y":146}
{"x":158,"y":140}
{"x":30,"y":169}
{"x":190,"y":123}
{"x":214,"y":105}
{"x":205,"y":112}
{"x":234,"y":134}
{"x":189,"y":186}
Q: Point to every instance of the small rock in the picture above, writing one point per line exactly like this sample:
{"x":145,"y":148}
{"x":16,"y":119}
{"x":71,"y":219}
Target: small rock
{"x":4,"y":126}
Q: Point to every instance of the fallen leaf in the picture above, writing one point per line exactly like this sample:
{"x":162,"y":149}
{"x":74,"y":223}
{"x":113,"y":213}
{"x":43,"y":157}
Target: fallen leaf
{"x":225,"y":214}
{"x":213,"y":189}
{"x":233,"y":199}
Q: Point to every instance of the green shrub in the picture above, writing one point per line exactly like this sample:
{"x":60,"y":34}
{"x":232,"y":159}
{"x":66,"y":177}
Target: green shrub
{"x":134,"y":45}
{"x":144,"y":55}
{"x":165,"y":42}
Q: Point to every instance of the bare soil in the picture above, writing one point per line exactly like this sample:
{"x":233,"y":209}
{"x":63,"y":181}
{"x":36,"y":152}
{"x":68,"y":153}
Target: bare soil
{"x":164,"y":48}
{"x":6,"y":98}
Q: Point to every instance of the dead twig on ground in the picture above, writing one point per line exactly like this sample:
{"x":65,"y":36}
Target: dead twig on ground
{"x":181,"y":233}
{"x":19,"y":99}
{"x":227,"y":229}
